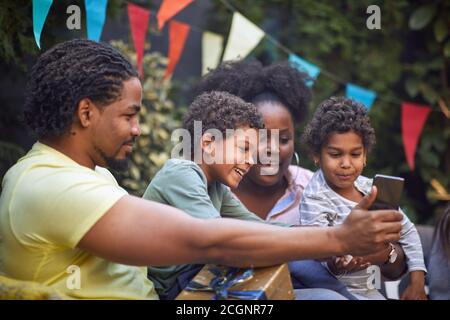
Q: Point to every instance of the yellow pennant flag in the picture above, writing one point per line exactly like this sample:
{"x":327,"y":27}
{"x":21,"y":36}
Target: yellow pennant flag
{"x":212,"y":46}
{"x":441,"y":193}
{"x":444,"y":108}
{"x":244,"y":37}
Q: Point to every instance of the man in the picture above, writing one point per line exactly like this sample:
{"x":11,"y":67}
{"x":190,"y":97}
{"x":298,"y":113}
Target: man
{"x":60,"y":208}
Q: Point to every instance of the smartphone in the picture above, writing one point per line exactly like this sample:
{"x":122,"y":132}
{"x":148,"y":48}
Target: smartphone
{"x":389,"y":192}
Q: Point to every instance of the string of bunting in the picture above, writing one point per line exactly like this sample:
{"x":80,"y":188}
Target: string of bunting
{"x":243,"y":37}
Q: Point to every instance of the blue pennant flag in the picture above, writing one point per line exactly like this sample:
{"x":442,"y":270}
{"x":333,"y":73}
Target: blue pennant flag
{"x":95,"y":18}
{"x":305,"y":66}
{"x":40,"y":12}
{"x":362,"y":95}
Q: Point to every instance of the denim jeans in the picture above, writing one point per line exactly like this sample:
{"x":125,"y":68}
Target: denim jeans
{"x":317,"y":294}
{"x":311,"y":274}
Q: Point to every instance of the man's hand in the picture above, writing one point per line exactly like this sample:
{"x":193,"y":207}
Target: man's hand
{"x":365,"y":232}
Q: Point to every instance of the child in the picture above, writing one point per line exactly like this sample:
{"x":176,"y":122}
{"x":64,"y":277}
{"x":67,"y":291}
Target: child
{"x":200,"y":189}
{"x":339,"y":138}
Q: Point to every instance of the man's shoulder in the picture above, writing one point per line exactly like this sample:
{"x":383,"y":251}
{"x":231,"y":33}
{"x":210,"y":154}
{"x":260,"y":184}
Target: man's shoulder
{"x":41,"y":175}
{"x":50,"y":169}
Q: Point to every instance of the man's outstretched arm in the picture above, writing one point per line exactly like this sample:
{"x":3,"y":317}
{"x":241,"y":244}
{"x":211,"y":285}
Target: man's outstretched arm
{"x":140,"y":232}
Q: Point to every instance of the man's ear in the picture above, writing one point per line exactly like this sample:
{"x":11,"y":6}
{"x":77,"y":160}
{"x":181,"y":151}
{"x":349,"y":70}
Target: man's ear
{"x":85,"y":112}
{"x":207,"y":143}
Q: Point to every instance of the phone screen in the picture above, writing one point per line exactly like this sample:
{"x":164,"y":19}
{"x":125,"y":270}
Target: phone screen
{"x":389,"y":192}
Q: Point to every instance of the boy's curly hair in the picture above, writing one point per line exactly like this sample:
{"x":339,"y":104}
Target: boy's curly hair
{"x":250,"y":80}
{"x":338,"y":114}
{"x":67,"y":73}
{"x":221,"y":111}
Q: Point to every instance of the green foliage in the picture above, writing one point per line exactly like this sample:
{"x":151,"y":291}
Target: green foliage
{"x":407,"y":60}
{"x":9,"y":154}
{"x":14,"y":25}
{"x":157,"y":121}
{"x":422,"y":16}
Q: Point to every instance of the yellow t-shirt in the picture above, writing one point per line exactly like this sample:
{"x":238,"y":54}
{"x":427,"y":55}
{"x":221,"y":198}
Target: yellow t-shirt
{"x":48,"y":203}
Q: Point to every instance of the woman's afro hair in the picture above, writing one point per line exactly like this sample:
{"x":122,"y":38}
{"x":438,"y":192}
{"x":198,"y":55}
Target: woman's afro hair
{"x":255,"y":83}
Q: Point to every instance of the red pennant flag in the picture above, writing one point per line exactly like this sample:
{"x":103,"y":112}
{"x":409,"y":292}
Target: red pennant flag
{"x":414,"y":117}
{"x":168,"y":9}
{"x":178,"y":32}
{"x":139,"y":23}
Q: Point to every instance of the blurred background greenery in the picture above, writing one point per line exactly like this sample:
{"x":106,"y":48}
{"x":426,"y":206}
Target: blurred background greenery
{"x":407,"y":60}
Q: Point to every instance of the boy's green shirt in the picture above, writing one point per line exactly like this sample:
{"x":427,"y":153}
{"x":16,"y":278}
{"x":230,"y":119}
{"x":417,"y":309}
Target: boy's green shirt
{"x":183,"y":185}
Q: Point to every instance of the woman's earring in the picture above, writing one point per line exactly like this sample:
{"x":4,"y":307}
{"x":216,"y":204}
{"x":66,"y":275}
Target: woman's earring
{"x":316,"y":163}
{"x":297,"y":159}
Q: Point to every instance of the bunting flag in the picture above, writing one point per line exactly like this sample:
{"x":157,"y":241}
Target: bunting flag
{"x":139,"y":18}
{"x":95,"y":18}
{"x":178,"y":33}
{"x":440,"y":192}
{"x":244,"y":37}
{"x":444,"y":108}
{"x":305,"y":66}
{"x":414,"y":117}
{"x":360,"y":94}
{"x":212,"y":46}
{"x":40,"y":12}
{"x":168,"y":9}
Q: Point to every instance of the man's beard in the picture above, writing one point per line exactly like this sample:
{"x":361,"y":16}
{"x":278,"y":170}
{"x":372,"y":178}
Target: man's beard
{"x":115,"y":164}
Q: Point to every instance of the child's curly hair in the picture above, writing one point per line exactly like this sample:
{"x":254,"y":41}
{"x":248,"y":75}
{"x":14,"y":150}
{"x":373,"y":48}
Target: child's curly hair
{"x":338,"y":114}
{"x":221,"y":111}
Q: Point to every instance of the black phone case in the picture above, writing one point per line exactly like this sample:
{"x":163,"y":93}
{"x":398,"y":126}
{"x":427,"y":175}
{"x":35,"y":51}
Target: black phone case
{"x":389,"y":192}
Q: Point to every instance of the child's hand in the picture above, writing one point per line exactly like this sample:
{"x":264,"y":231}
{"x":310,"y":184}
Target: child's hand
{"x":416,"y":288}
{"x":414,"y":292}
{"x":347,"y":263}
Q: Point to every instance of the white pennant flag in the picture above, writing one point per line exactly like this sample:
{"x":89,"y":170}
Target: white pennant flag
{"x":244,"y":37}
{"x":212,"y":46}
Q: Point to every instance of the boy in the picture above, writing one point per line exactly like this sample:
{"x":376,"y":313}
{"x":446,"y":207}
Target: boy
{"x":203,"y":190}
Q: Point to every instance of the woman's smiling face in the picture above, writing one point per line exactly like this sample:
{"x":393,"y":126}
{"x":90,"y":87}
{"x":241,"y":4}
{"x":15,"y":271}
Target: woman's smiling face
{"x":275,"y":116}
